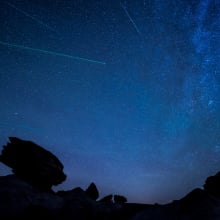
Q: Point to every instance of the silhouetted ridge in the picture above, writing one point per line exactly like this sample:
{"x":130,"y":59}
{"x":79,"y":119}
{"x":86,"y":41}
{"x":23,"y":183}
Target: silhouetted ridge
{"x":212,"y":185}
{"x":107,"y":199}
{"x":119,"y":199}
{"x":27,"y":193}
{"x":33,"y":163}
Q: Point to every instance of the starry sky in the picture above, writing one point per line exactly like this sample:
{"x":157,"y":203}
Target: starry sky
{"x":125,"y":93}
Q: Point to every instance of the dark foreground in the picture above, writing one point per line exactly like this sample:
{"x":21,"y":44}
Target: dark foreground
{"x":27,"y":193}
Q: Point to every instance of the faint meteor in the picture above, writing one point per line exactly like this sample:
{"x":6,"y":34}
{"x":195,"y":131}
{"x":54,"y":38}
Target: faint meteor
{"x":131,"y":20}
{"x":50,"y":52}
{"x":30,"y":16}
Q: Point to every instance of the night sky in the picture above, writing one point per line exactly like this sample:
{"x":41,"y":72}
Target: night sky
{"x":125,"y":93}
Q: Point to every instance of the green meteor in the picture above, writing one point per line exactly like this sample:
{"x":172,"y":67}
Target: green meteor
{"x":50,"y":53}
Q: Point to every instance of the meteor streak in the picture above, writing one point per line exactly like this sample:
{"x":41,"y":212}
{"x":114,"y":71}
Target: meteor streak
{"x":50,"y":52}
{"x":131,"y":20}
{"x":30,"y":16}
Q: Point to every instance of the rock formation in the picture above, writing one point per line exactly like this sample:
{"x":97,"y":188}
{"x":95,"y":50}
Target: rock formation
{"x":32,"y":163}
{"x":92,"y":191}
{"x":119,"y":199}
{"x":198,"y":204}
{"x":212,"y":185}
{"x":18,"y":197}
{"x":26,"y":194}
{"x":107,"y":199}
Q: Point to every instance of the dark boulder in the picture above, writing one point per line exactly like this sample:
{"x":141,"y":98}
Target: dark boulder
{"x":18,"y":198}
{"x":212,"y":185}
{"x":119,"y":199}
{"x":197,"y":204}
{"x":92,"y":191}
{"x":32,"y":163}
{"x":77,"y":204}
{"x":107,"y":199}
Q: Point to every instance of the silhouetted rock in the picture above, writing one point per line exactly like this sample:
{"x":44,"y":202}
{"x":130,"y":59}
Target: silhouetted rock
{"x":108,"y":199}
{"x":198,"y":204}
{"x":22,"y":197}
{"x":212,"y":185}
{"x":119,"y":199}
{"x":77,"y":204}
{"x":18,"y":197}
{"x":33,"y":163}
{"x":92,"y":191}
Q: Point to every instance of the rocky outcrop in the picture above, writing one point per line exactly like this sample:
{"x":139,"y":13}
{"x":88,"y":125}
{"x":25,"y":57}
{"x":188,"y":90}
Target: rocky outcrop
{"x":21,"y":200}
{"x":113,"y":199}
{"x":32,"y":163}
{"x":119,"y":199}
{"x":198,"y":204}
{"x":18,"y":197}
{"x":27,"y":193}
{"x":92,"y":191}
{"x":107,"y":199}
{"x":212,"y":185}
{"x":77,"y":204}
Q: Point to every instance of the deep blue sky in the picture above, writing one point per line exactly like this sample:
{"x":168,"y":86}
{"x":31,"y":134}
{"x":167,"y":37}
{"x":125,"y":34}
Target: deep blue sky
{"x":146,"y":124}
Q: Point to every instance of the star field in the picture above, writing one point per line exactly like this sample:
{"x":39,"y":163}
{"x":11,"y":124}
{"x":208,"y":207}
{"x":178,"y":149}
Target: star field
{"x":144,"y":120}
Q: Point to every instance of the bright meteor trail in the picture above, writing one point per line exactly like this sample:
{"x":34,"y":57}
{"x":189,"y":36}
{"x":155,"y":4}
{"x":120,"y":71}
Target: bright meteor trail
{"x":50,"y":52}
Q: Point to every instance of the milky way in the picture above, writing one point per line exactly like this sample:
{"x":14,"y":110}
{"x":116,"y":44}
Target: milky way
{"x":146,"y":124}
